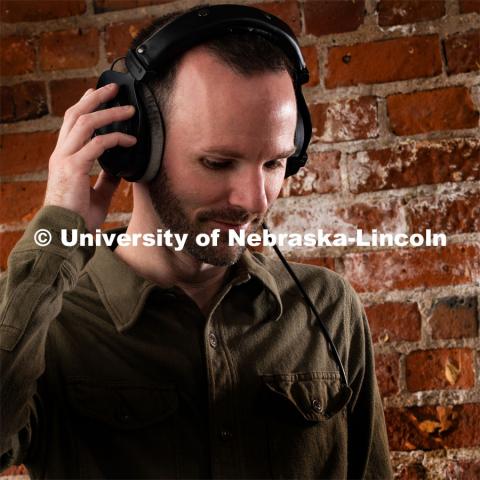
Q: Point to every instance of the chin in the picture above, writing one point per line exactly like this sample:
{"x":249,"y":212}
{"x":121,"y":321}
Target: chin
{"x":221,"y":256}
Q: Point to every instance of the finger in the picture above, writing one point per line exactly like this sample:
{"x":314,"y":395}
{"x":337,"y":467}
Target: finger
{"x":88,"y":103}
{"x":86,"y":124}
{"x":86,"y":156}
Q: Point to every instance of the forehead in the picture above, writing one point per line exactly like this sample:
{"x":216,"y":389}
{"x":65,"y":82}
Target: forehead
{"x":212,"y":101}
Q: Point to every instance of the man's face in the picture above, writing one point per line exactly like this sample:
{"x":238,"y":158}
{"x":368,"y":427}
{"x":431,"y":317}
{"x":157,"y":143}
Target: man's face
{"x":227,"y":140}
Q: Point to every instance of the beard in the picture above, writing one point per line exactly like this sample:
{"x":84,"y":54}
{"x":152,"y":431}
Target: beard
{"x":169,"y":209}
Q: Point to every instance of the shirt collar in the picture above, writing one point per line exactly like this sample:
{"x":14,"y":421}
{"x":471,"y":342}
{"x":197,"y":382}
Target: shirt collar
{"x":124,"y":293}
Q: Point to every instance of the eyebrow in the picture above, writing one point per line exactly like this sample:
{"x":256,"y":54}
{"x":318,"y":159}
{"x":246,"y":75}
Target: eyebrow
{"x":233,"y":154}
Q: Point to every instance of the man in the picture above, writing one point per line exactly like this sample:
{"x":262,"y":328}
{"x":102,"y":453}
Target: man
{"x":141,"y":362}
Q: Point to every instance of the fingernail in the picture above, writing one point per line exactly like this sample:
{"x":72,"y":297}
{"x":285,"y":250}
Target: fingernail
{"x":129,"y":108}
{"x":111,"y":86}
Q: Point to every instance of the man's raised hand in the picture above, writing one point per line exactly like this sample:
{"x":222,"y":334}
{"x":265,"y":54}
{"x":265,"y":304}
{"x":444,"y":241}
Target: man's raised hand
{"x":69,"y":166}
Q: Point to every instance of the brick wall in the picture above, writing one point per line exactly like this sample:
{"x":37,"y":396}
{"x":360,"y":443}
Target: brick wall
{"x":395,"y":99}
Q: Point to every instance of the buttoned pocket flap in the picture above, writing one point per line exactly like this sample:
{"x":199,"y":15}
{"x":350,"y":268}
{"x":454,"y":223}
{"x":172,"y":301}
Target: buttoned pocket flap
{"x":316,"y":396}
{"x":123,"y":406}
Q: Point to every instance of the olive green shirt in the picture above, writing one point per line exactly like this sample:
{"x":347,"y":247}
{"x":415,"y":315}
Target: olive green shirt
{"x":106,"y":375}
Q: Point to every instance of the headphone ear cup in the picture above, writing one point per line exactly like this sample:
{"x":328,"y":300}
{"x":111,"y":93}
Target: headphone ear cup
{"x":156,"y":132}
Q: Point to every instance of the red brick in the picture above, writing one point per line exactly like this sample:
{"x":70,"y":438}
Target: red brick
{"x":101,"y":6}
{"x":122,"y":200}
{"x":17,"y":55}
{"x":23,"y":101}
{"x":286,"y":10}
{"x":463,"y":52}
{"x":399,"y":12}
{"x":385,"y":61}
{"x":433,"y":427}
{"x":13,"y":11}
{"x":345,"y":120}
{"x":412,"y":164}
{"x":310,"y":55}
{"x":333,"y":16}
{"x":387,"y":369}
{"x":118,"y":37}
{"x":320,"y":175}
{"x":469,"y":6}
{"x":446,"y":214}
{"x":20,"y":201}
{"x":64,"y":93}
{"x":454,"y":317}
{"x":308,"y":216}
{"x":66,"y":49}
{"x":111,"y":225}
{"x":326,"y":262}
{"x":439,"y":369}
{"x":26,"y":152}
{"x":440,"y":109}
{"x":455,"y":264}
{"x":464,"y":469}
{"x":7,"y":242}
{"x":394,"y":321}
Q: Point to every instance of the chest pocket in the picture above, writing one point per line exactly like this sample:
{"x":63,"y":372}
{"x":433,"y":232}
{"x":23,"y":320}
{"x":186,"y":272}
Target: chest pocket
{"x":135,"y":424}
{"x":306,"y":424}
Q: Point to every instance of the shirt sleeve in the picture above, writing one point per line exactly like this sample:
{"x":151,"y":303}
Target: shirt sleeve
{"x":31,"y":297}
{"x":368,"y":451}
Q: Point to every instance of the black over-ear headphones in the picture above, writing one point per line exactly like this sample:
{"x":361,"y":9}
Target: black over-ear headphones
{"x":142,"y":161}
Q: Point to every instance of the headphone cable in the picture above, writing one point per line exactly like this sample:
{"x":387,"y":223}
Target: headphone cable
{"x":309,"y":302}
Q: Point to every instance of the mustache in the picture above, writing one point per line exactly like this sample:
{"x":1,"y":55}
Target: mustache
{"x":229,"y":215}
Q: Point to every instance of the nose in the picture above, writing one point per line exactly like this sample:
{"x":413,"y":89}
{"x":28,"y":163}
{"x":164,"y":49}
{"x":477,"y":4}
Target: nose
{"x":248,"y":191}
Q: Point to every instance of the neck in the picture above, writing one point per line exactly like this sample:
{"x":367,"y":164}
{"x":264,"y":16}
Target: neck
{"x":167,"y":267}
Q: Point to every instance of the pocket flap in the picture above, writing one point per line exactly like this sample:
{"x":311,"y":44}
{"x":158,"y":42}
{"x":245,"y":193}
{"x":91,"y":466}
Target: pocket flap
{"x":315,"y":396}
{"x":123,"y":406}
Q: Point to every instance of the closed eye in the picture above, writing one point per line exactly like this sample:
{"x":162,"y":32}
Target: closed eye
{"x":216,"y":164}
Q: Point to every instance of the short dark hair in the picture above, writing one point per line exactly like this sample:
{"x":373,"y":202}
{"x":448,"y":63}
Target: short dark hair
{"x":245,"y":53}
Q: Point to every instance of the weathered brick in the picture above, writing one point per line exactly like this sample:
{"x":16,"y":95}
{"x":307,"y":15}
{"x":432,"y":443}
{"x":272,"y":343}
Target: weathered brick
{"x":454,"y":317}
{"x":387,"y":369}
{"x":118,"y":37}
{"x":13,"y":11}
{"x":7,"y":242}
{"x":17,"y":55}
{"x":66,"y":49}
{"x":345,"y":120}
{"x":469,"y":6}
{"x":433,"y":427}
{"x":459,"y":214}
{"x":23,"y":101}
{"x":307,"y":215}
{"x":463,"y":52}
{"x":310,"y":55}
{"x":455,"y":264}
{"x":20,"y":201}
{"x":288,"y":11}
{"x":327,"y":262}
{"x":26,"y":152}
{"x":333,"y":16}
{"x":399,"y":12}
{"x":101,"y":6}
{"x":320,"y":175}
{"x":464,"y":469}
{"x":64,"y":93}
{"x":439,"y":369}
{"x":412,"y":471}
{"x":440,"y":109}
{"x":122,"y":200}
{"x":414,"y":163}
{"x":394,"y":321}
{"x":385,"y":61}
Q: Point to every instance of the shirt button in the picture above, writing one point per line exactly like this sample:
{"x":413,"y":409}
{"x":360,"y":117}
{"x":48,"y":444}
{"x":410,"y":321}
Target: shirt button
{"x":212,"y":339}
{"x":226,"y":435}
{"x":317,"y":406}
